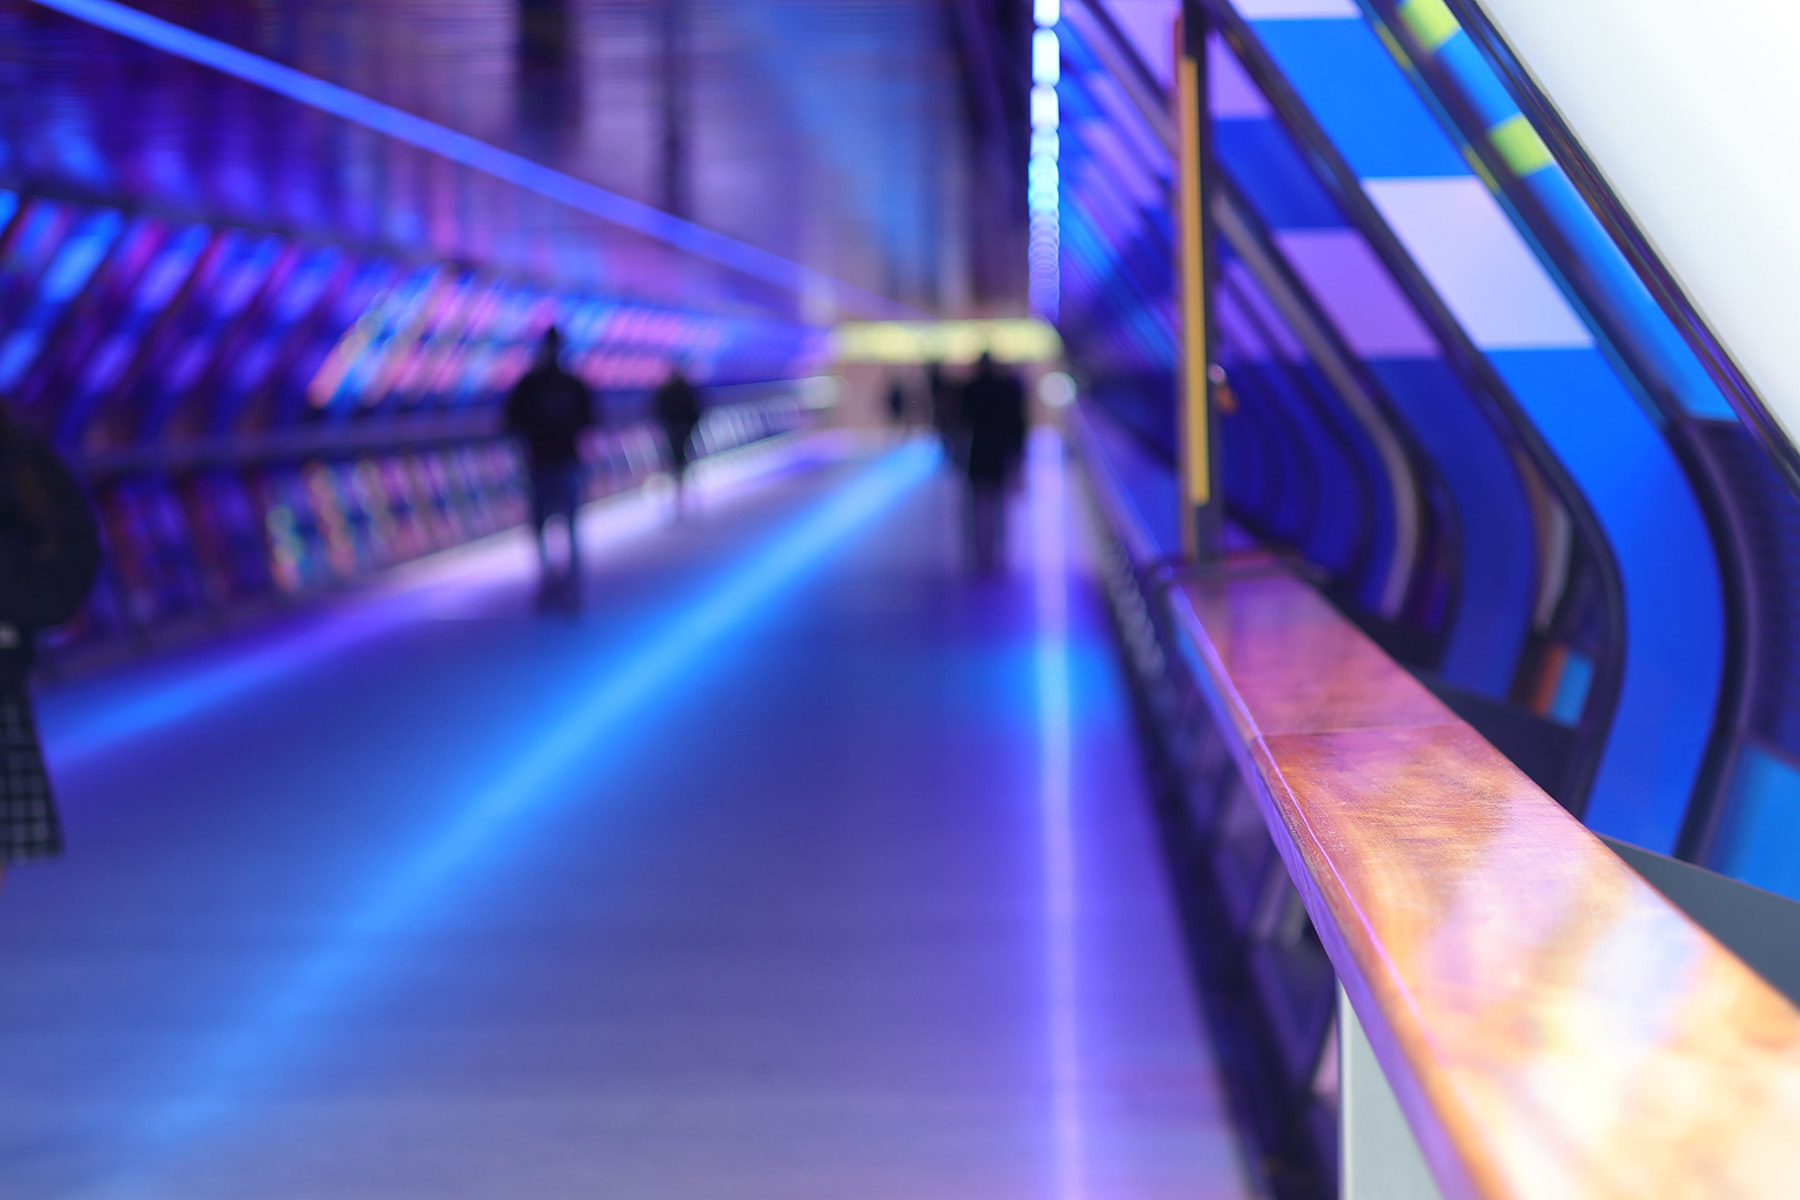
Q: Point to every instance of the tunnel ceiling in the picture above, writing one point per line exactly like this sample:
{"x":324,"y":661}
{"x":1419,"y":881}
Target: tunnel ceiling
{"x":831,"y":132}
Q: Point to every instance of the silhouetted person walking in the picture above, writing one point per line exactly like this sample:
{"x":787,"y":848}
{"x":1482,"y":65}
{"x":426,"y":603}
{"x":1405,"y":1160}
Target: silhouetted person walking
{"x":944,"y":412}
{"x":993,"y":413}
{"x":548,"y":411}
{"x":896,"y":404}
{"x":49,"y":554}
{"x":677,"y":405}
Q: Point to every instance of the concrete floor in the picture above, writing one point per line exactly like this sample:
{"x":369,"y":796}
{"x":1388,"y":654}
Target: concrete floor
{"x":801,"y":866}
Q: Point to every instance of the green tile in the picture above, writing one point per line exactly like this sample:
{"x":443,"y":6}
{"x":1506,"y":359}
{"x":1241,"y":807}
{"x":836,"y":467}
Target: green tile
{"x":1520,"y":146}
{"x":1430,"y":22}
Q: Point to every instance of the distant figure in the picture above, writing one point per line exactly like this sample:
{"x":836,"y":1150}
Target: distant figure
{"x":49,"y":554}
{"x":677,"y":407}
{"x":896,"y":404}
{"x":548,"y":411}
{"x":993,"y":412}
{"x":944,"y":413}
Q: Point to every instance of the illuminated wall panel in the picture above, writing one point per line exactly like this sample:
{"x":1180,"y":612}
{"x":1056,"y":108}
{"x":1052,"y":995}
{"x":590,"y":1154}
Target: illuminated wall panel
{"x":1511,"y":308}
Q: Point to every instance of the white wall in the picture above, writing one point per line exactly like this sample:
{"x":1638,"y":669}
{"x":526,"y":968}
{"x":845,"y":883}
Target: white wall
{"x":1692,"y":113}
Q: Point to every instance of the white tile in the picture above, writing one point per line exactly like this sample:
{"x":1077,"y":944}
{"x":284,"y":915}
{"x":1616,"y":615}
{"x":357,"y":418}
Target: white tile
{"x":1483,"y":269}
{"x":1297,"y":10}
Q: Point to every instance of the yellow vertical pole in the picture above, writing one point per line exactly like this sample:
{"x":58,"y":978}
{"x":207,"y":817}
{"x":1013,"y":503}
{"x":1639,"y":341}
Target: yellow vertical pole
{"x":1199,"y":455}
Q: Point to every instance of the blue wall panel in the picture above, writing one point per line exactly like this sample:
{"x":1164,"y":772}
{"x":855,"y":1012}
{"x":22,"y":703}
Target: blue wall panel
{"x":1674,"y":610}
{"x":1495,"y":529}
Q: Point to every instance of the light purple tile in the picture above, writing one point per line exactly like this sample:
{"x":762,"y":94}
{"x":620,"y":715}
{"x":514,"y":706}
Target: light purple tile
{"x":1358,"y":294}
{"x":1233,"y":95}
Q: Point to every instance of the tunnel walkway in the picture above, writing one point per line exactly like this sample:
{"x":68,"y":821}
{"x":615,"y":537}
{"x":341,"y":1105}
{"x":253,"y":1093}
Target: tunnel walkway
{"x":799,"y":866}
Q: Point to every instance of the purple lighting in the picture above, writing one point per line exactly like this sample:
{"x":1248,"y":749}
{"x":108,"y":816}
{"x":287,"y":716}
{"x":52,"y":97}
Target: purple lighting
{"x":472,"y":152}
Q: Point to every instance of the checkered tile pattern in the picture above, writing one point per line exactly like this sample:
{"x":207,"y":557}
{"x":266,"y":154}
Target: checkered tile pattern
{"x":28,"y":825}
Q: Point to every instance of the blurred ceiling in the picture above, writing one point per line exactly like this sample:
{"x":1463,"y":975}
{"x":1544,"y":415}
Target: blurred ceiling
{"x":871,"y":140}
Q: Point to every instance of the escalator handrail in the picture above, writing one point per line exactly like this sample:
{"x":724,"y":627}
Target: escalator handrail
{"x":1368,"y":402}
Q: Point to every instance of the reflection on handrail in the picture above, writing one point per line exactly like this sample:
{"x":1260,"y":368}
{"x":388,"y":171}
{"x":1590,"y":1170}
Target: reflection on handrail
{"x":1550,"y":1024}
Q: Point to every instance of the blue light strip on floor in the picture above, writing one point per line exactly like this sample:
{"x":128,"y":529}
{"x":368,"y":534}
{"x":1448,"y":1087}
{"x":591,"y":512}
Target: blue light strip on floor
{"x":471,"y":152}
{"x":660,"y":663}
{"x":547,"y":770}
{"x":107,"y":716}
{"x":174,"y":695}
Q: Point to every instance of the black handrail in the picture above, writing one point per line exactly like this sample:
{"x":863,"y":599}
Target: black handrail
{"x":1268,"y":255}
